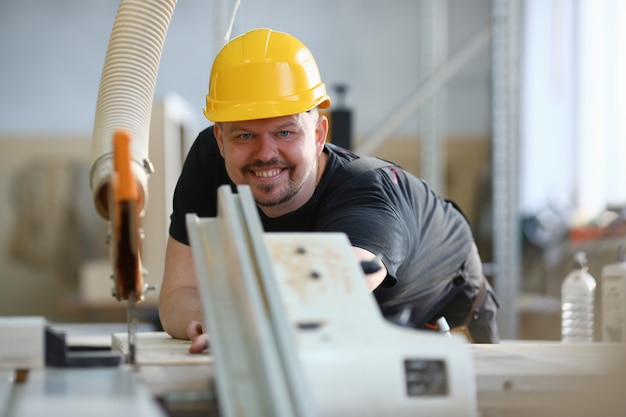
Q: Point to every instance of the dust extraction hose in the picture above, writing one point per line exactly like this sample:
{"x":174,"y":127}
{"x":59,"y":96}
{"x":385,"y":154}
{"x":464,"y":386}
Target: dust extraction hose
{"x":126,"y":92}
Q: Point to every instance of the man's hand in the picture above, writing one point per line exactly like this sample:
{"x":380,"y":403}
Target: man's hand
{"x":199,"y":339}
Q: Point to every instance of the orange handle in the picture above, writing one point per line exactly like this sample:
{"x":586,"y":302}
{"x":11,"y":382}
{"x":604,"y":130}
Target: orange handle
{"x":126,"y":186}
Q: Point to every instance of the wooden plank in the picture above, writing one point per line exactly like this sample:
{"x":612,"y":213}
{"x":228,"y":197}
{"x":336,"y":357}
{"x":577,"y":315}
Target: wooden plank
{"x":546,"y":358}
{"x":159,"y":348}
{"x":549,"y":378}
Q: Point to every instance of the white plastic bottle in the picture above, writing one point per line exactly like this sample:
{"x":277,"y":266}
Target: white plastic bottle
{"x":577,"y":303}
{"x":613,"y":300}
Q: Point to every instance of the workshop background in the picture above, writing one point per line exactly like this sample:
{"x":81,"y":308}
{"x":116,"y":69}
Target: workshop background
{"x":510,"y":108}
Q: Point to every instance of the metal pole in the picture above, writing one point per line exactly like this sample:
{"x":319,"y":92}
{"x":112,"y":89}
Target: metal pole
{"x":506,"y":235}
{"x":432,"y":116}
{"x":371,"y":143}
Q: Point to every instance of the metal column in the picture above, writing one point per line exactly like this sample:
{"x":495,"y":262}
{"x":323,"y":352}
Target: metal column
{"x":506,"y":235}
{"x":433,"y":53}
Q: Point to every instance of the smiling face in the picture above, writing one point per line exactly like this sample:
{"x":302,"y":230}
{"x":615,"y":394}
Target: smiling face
{"x":280,"y":158}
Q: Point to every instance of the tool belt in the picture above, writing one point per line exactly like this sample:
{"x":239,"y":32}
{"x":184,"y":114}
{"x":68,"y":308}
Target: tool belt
{"x":473,"y":313}
{"x":446,"y":317}
{"x":468,"y":306}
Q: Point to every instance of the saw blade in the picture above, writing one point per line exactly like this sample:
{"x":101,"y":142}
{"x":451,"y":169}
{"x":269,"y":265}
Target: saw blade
{"x":131,"y":318}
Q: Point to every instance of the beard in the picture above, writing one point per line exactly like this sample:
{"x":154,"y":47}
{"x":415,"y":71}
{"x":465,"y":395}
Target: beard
{"x":265,"y":196}
{"x":276,"y":194}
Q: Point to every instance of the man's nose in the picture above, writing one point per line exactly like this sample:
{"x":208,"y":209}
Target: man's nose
{"x":266,"y":147}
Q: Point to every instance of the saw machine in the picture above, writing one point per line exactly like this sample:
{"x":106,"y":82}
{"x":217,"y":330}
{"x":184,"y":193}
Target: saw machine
{"x":295,"y":332}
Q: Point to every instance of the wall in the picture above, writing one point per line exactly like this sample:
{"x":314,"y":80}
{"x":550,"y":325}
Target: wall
{"x":48,"y":226}
{"x":53,"y":52}
{"x":52,"y":57}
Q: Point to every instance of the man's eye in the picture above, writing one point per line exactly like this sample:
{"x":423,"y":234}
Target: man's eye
{"x":284,"y":133}
{"x":245,"y":136}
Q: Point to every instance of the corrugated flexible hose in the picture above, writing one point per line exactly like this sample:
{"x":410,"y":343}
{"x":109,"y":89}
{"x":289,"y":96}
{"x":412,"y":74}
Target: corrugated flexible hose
{"x":126,"y":92}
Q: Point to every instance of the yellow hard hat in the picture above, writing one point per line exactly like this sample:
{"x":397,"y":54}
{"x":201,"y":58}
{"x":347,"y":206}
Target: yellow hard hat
{"x":263,"y":74}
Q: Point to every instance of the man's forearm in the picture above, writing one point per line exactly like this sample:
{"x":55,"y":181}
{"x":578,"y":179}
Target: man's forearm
{"x":178,"y":308}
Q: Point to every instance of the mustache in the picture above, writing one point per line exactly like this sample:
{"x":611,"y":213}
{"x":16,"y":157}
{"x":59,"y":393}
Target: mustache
{"x":258,"y":164}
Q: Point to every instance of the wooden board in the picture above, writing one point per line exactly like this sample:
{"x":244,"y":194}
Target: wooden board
{"x":545,"y":358}
{"x":159,"y":348}
{"x":551,"y":378}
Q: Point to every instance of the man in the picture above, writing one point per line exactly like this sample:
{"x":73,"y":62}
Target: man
{"x":264,"y":94}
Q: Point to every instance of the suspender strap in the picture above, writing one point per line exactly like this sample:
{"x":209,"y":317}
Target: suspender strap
{"x":478,"y":302}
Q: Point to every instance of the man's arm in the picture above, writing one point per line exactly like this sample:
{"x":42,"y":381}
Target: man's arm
{"x":179,"y":300}
{"x":180,"y":309}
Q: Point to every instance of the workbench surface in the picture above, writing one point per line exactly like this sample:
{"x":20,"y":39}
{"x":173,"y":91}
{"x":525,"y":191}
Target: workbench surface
{"x":513,"y":377}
